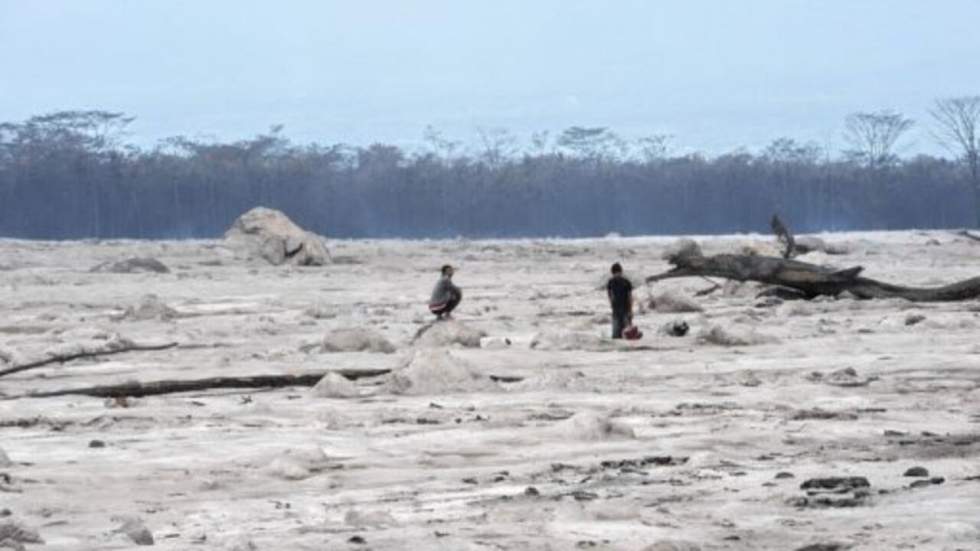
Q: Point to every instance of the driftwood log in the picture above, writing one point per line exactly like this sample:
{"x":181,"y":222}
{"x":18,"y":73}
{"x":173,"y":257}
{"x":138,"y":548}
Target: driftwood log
{"x":136,"y":389}
{"x":968,"y":235}
{"x":811,"y":280}
{"x":117,"y":347}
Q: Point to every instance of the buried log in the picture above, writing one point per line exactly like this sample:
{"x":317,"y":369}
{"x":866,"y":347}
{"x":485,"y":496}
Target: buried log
{"x":810,"y":279}
{"x":113,"y":347}
{"x":137,"y":389}
{"x":968,"y":235}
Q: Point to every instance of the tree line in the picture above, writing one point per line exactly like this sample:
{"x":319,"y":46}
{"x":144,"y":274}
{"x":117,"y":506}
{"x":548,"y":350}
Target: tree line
{"x":71,"y":174}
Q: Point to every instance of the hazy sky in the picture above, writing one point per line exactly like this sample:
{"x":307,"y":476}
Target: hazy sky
{"x":716,"y":74}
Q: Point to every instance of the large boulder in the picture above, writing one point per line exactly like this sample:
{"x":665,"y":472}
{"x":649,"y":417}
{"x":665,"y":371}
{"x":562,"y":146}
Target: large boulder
{"x":271,"y":235}
{"x":446,"y":333}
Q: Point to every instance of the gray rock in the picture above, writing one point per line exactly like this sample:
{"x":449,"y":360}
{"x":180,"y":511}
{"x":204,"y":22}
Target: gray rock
{"x":917,"y":471}
{"x":16,"y":532}
{"x":132,"y":266}
{"x":673,"y":545}
{"x":137,"y":531}
{"x":150,"y":307}
{"x":913,"y":319}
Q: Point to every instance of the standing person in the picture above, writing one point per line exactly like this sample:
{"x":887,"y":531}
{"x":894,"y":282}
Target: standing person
{"x":620,"y":292}
{"x":446,"y":295}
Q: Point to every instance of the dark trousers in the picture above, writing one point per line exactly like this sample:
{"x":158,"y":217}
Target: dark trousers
{"x":445,"y":309}
{"x":620,"y":321}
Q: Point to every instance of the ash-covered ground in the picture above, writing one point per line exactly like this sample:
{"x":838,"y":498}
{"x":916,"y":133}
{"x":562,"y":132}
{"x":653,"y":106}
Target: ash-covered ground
{"x":517,"y":426}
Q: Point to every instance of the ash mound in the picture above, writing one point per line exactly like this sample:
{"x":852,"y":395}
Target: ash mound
{"x":356,"y":340}
{"x":437,"y":371}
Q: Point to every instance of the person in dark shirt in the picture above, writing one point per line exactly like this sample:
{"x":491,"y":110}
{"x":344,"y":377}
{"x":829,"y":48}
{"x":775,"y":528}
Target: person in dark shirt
{"x":620,"y":292}
{"x":446,"y":295}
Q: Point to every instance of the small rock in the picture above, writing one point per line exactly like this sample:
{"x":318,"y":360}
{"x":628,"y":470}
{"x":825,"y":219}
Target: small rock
{"x":823,"y":547}
{"x":136,"y":531}
{"x":531,"y":491}
{"x":369,"y":519}
{"x":17,"y":532}
{"x":677,"y":328}
{"x":785,"y":474}
{"x":747,"y":378}
{"x":335,"y":385}
{"x":720,"y":336}
{"x":359,"y":540}
{"x":672,"y":545}
{"x":96,"y":444}
{"x":917,"y":471}
{"x":150,"y":307}
{"x":923,"y":483}
{"x":836,"y":483}
{"x":132,"y":266}
{"x":913,"y":319}
{"x":847,"y":377}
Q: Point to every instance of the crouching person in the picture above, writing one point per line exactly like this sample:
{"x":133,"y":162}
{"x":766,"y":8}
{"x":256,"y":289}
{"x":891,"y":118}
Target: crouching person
{"x":446,"y":296}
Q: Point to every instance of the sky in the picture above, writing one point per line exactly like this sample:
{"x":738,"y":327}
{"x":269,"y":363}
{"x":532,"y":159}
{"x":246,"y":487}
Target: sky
{"x":714,"y":74}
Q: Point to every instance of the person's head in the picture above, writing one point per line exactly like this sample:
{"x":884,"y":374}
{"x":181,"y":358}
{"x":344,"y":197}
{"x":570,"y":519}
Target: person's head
{"x":447,"y":270}
{"x":617,"y":269}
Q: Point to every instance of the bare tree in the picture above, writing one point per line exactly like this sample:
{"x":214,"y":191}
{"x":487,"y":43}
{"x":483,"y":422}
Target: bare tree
{"x":872,"y":136}
{"x":498,"y":145}
{"x":539,"y":142}
{"x":439,"y":143}
{"x":957,"y":121}
{"x":654,"y":148}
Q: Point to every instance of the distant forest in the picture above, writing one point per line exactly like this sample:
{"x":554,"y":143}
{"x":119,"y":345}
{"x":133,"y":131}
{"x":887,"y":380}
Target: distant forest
{"x":73,"y":175}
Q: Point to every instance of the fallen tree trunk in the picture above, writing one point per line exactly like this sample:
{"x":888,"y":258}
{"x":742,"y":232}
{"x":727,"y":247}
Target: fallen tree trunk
{"x":968,"y":235}
{"x":137,"y":389}
{"x":117,"y":348}
{"x":810,"y":279}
